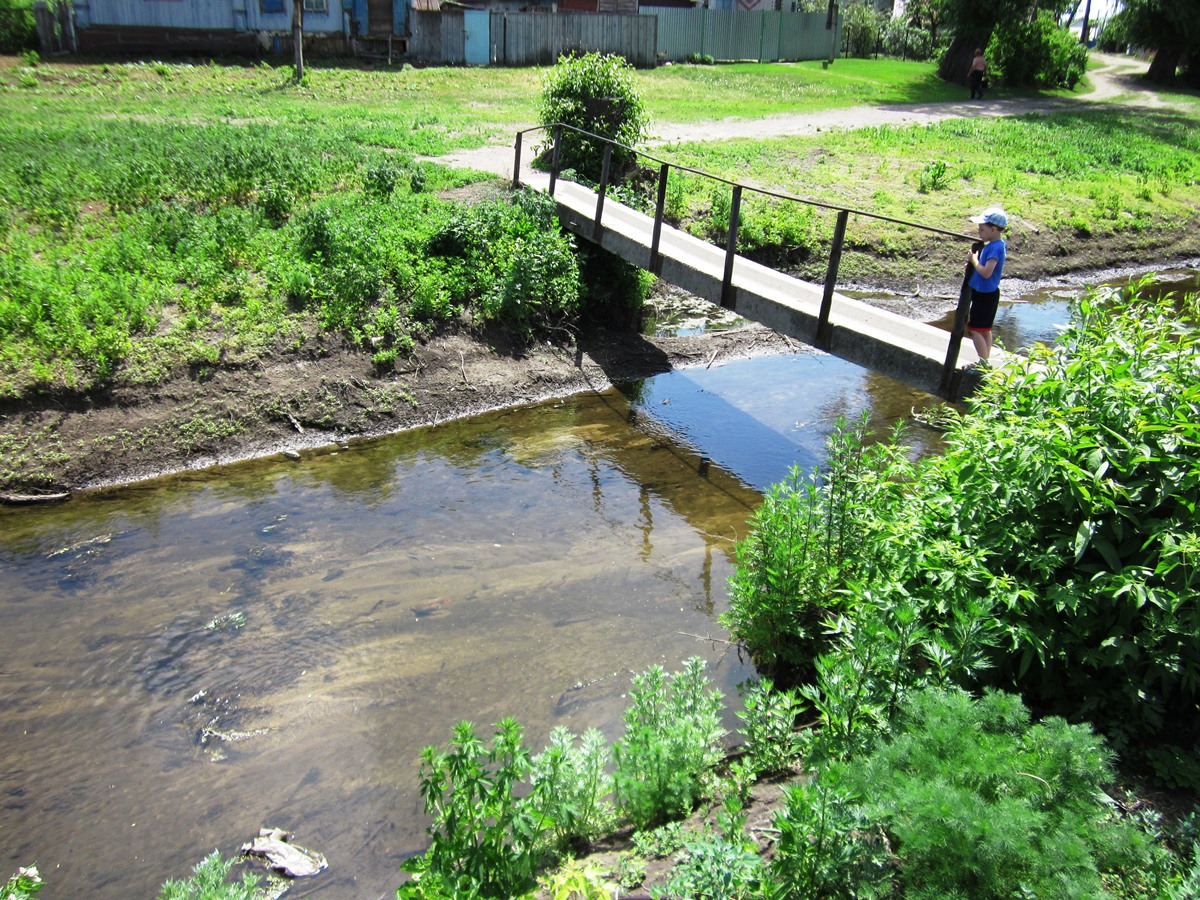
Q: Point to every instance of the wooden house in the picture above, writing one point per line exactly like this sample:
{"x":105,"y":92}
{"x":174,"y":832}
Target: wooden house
{"x":237,"y":26}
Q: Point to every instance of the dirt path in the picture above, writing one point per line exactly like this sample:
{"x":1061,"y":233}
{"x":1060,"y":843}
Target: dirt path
{"x":1115,"y":81}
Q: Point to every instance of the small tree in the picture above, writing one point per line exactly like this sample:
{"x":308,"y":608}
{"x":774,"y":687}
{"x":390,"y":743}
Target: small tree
{"x":596,"y":93}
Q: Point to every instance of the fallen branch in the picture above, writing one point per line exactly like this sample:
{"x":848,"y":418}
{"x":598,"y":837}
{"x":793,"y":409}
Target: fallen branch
{"x":701,"y":637}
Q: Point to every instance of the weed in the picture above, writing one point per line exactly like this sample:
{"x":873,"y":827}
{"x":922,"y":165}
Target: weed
{"x":935,"y":176}
{"x":573,"y":784}
{"x":769,"y":726}
{"x":483,"y":837}
{"x":672,"y":726}
{"x":208,"y":883}
{"x":579,"y":881}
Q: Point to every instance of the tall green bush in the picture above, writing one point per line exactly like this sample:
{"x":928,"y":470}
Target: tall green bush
{"x":509,"y":259}
{"x":1038,"y":53}
{"x":484,"y":836}
{"x":1052,"y":548}
{"x":596,"y":93}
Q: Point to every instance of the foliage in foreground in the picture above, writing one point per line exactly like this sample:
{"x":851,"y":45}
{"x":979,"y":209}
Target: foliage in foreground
{"x":23,"y":885}
{"x":954,"y":797}
{"x":207,"y":882}
{"x":500,"y":814}
{"x":1052,"y":548}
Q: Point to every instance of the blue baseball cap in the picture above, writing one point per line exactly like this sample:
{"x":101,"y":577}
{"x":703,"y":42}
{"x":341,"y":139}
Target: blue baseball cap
{"x":993,"y":215}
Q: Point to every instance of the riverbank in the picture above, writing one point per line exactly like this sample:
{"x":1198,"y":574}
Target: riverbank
{"x":322,"y":389}
{"x":292,"y":403}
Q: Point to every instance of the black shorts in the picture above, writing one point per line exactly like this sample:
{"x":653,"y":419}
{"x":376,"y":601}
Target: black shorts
{"x":983,"y":309}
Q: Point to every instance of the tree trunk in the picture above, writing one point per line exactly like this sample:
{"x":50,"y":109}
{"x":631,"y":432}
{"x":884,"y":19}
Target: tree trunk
{"x":1164,"y":64}
{"x":298,"y":37}
{"x":958,"y":57}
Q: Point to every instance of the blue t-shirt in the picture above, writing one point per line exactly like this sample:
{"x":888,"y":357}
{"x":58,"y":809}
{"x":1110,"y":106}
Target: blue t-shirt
{"x":997,"y":249}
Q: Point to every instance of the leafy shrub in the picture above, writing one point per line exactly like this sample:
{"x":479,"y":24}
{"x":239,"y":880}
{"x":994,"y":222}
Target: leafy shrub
{"x":826,"y":845}
{"x":977,"y":802}
{"x":907,"y":41}
{"x":862,"y":29}
{"x":672,"y":726}
{"x":1051,"y":548}
{"x":1038,"y":54}
{"x":18,"y":31}
{"x":484,"y":837}
{"x":208,"y":883}
{"x":512,"y":261}
{"x":598,"y":94}
{"x":721,"y":868}
{"x":808,"y":540}
{"x":380,"y":179}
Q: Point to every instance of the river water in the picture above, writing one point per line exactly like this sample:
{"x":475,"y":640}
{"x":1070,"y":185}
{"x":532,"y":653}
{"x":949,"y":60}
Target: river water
{"x":272,"y":643}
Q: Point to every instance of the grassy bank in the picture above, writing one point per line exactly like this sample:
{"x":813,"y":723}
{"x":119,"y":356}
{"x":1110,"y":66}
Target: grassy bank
{"x":164,"y":220}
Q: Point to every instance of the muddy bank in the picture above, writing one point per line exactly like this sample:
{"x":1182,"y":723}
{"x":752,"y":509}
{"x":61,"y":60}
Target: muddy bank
{"x":329,"y":393}
{"x":291,"y":404}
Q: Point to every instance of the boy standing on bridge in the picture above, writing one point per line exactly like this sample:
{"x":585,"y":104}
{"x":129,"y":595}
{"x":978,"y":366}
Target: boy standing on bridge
{"x":987,"y":261}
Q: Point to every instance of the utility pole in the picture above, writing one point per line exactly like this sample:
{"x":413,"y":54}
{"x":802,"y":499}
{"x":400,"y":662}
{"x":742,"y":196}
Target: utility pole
{"x":298,"y":37}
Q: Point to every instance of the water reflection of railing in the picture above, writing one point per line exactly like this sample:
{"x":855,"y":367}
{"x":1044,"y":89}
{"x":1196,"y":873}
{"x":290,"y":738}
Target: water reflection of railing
{"x":654,"y":264}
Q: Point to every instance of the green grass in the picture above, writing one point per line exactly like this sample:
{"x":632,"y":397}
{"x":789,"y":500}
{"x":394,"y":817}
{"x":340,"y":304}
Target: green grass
{"x":686,"y":93}
{"x":1094,"y":172}
{"x":154,"y":215}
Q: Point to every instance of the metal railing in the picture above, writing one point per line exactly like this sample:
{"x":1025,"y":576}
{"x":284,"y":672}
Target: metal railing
{"x":824,"y":328}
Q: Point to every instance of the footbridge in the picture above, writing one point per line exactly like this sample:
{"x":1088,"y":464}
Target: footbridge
{"x":912,"y":352}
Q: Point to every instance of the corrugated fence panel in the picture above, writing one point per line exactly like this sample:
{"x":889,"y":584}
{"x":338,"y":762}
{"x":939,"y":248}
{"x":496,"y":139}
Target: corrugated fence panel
{"x":806,"y":37}
{"x":726,"y":34}
{"x":680,"y":32}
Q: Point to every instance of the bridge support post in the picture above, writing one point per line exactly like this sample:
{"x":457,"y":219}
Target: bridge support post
{"x":824,"y":330}
{"x":554,"y":158}
{"x":735,"y":217}
{"x":655,"y":266}
{"x":951,"y":377}
{"x":517,"y":164}
{"x":597,"y":227}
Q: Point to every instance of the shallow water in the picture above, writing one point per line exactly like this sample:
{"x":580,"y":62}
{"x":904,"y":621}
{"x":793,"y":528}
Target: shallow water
{"x":272,"y":643}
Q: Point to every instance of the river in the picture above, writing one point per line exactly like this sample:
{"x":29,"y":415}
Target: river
{"x":272,"y":643}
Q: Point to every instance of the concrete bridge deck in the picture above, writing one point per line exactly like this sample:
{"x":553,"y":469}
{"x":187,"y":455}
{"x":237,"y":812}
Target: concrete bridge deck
{"x":912,"y":352}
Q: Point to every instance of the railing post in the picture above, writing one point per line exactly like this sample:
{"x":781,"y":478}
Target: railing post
{"x":824,"y":330}
{"x":554,"y":158}
{"x":735,"y":217}
{"x":517,"y":164}
{"x":597,"y":228}
{"x":655,"y":267}
{"x":950,"y":373}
